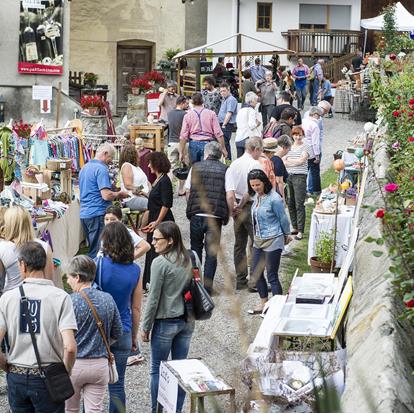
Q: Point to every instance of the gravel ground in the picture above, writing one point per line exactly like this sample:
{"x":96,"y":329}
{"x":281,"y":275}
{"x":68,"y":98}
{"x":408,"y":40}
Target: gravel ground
{"x":222,"y":341}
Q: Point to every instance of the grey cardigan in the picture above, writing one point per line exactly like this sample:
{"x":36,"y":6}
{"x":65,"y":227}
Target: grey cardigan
{"x":166,"y":294}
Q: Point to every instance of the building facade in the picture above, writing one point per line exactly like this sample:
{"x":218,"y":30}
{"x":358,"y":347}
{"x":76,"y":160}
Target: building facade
{"x":119,"y":39}
{"x":271,"y":22}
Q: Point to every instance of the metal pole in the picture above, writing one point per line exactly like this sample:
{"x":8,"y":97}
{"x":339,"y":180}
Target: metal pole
{"x":59,"y":93}
{"x":365,"y":42}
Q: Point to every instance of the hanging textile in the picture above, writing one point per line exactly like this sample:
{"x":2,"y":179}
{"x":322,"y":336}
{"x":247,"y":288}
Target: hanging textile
{"x":6,"y":154}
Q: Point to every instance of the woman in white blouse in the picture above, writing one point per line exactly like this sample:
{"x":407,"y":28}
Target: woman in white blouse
{"x":133,"y":180}
{"x":249,"y":122}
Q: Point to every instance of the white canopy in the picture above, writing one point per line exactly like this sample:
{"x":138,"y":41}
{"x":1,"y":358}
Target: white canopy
{"x":405,"y":20}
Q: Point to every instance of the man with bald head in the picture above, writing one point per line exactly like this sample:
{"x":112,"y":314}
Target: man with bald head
{"x":96,"y":195}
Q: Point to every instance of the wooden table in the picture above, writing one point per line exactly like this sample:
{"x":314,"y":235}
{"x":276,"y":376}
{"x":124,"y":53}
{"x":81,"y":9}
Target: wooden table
{"x":153,"y":135}
{"x":197,"y":397}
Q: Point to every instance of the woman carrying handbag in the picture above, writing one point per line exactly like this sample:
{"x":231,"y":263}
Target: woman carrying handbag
{"x":164,"y":317}
{"x":98,"y":321}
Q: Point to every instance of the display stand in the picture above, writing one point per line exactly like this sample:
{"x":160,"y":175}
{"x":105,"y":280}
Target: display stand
{"x":153,"y":135}
{"x":197,"y":397}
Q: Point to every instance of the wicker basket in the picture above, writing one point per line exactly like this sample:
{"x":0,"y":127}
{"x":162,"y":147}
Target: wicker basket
{"x":29,"y":175}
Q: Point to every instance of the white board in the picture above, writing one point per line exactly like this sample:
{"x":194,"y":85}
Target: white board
{"x":41,"y":92}
{"x":167,"y":389}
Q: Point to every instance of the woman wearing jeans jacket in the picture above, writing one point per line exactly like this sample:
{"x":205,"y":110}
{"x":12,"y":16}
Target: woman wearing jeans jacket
{"x":171,"y":273}
{"x":118,"y":275}
{"x":270,"y":229}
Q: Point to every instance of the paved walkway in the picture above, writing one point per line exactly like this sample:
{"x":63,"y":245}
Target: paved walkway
{"x":222,"y":341}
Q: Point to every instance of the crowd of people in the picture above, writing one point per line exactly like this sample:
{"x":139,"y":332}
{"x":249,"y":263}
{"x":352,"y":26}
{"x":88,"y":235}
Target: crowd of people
{"x":274,"y":168}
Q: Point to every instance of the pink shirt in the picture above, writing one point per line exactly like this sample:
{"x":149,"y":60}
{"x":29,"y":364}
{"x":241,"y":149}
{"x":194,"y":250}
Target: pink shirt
{"x":312,"y":134}
{"x":200,"y":124}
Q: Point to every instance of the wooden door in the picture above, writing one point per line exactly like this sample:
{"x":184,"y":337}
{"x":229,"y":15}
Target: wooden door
{"x":132,"y":62}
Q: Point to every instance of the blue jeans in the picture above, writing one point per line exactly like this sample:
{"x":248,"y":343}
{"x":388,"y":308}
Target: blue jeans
{"x":28,"y":394}
{"x":270,"y":261}
{"x":206,"y":232}
{"x":196,"y":150}
{"x":301,"y":95}
{"x":93,"y":228}
{"x":121,"y":350}
{"x":168,"y":336}
{"x":227,"y":131}
{"x":314,"y":177}
{"x":315,"y":91}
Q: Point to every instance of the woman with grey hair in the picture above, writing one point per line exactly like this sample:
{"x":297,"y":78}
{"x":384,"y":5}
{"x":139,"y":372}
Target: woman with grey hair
{"x":168,"y":100}
{"x":90,"y":374}
{"x":249,"y":122}
{"x":267,"y":89}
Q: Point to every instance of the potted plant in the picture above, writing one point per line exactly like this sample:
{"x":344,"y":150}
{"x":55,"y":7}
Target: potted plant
{"x":140,"y":86}
{"x":156,"y":79}
{"x":93,"y":103}
{"x":324,"y":251}
{"x":90,"y":79}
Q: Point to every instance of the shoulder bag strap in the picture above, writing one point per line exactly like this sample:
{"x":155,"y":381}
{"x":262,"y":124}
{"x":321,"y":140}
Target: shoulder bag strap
{"x":98,"y":323}
{"x":25,"y":302}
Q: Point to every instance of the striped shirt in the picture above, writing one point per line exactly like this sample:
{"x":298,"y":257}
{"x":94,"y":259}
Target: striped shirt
{"x":294,"y":155}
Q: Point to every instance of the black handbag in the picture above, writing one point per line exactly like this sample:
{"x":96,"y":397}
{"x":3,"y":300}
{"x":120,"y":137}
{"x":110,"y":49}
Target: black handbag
{"x":198,"y":303}
{"x":55,"y":376}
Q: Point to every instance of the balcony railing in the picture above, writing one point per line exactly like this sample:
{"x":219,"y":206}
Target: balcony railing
{"x":323,"y":43}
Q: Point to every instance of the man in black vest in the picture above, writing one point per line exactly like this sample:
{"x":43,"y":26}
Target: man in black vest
{"x":207,"y":208}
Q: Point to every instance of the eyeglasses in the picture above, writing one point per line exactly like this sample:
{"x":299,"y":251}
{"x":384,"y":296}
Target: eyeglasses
{"x":157,"y":238}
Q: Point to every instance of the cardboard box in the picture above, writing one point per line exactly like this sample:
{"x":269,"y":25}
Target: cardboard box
{"x":33,"y":193}
{"x":62,"y":164}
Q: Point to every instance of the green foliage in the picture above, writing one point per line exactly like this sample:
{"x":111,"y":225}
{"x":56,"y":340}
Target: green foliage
{"x":394,"y":99}
{"x":170,"y":53}
{"x":324,"y":247}
{"x":390,"y":32}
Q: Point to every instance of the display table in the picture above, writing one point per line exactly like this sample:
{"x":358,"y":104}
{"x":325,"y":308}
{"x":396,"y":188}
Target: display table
{"x":326,"y":222}
{"x":66,"y":233}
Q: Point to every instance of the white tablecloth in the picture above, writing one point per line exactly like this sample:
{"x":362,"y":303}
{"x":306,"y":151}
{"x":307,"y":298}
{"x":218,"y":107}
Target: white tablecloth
{"x":326,"y":222}
{"x":66,"y":233}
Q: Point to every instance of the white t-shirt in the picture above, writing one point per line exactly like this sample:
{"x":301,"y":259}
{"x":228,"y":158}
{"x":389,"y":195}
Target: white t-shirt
{"x":51,"y":313}
{"x":139,"y":179}
{"x":8,"y":256}
{"x":236,"y":174}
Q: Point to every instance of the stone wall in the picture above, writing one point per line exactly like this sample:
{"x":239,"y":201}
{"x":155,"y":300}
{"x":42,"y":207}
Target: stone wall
{"x":98,"y":25}
{"x":380,"y":346}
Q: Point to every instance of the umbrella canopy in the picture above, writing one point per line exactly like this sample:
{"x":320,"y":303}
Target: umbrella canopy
{"x":405,"y":20}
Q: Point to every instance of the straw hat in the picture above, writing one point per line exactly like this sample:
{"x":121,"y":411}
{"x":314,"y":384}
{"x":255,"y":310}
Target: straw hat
{"x":325,"y":105}
{"x":270,"y":144}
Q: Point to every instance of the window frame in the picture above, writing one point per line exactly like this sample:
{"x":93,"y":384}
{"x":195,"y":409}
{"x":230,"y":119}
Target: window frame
{"x":258,"y":16}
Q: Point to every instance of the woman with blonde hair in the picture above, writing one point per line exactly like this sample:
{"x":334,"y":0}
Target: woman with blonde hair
{"x":133,"y":179}
{"x":18,"y":229}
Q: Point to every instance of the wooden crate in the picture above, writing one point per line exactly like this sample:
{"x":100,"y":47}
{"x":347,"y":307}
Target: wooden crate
{"x":153,"y":135}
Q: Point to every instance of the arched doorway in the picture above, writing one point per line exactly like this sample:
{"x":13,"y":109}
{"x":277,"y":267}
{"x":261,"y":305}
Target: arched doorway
{"x":134,"y":57}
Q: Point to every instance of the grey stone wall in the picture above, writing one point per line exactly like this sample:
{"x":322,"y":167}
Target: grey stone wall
{"x":19,"y":105}
{"x":380,"y":346}
{"x":94,"y":124}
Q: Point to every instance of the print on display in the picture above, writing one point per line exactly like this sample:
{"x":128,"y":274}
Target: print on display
{"x":41,"y":37}
{"x":34,"y":314}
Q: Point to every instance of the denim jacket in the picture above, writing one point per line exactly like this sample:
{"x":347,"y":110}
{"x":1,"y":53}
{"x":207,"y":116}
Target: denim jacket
{"x":269,"y":217}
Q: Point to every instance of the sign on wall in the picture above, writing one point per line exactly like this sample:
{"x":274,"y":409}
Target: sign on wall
{"x":41,"y":37}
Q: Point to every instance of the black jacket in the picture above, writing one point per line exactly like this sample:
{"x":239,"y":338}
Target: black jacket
{"x":208,"y":193}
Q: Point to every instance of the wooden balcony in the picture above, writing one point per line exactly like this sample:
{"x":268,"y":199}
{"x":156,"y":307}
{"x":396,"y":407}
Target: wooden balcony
{"x":323,"y":43}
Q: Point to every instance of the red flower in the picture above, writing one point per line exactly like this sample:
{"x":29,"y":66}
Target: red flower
{"x":154,"y":76}
{"x":410,"y":114}
{"x":411,"y":102}
{"x":393,"y":56}
{"x":391,"y":187}
{"x":142,"y":84}
{"x":395,"y":114}
{"x":380,"y":213}
{"x":91,"y":101}
{"x":410,"y":303}
{"x":398,"y":98}
{"x":410,"y":139}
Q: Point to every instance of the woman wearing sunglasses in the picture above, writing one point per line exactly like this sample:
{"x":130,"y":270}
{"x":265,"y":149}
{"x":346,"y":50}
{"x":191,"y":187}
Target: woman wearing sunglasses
{"x":271,"y":231}
{"x":164,"y":317}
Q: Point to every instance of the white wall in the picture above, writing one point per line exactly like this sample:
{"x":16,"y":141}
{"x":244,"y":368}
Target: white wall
{"x":222,"y":22}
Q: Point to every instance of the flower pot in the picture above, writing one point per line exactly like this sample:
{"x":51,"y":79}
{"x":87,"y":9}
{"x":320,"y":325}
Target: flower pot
{"x":320,"y":267}
{"x":135,"y":91}
{"x":93,"y":110}
{"x":90,"y":84}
